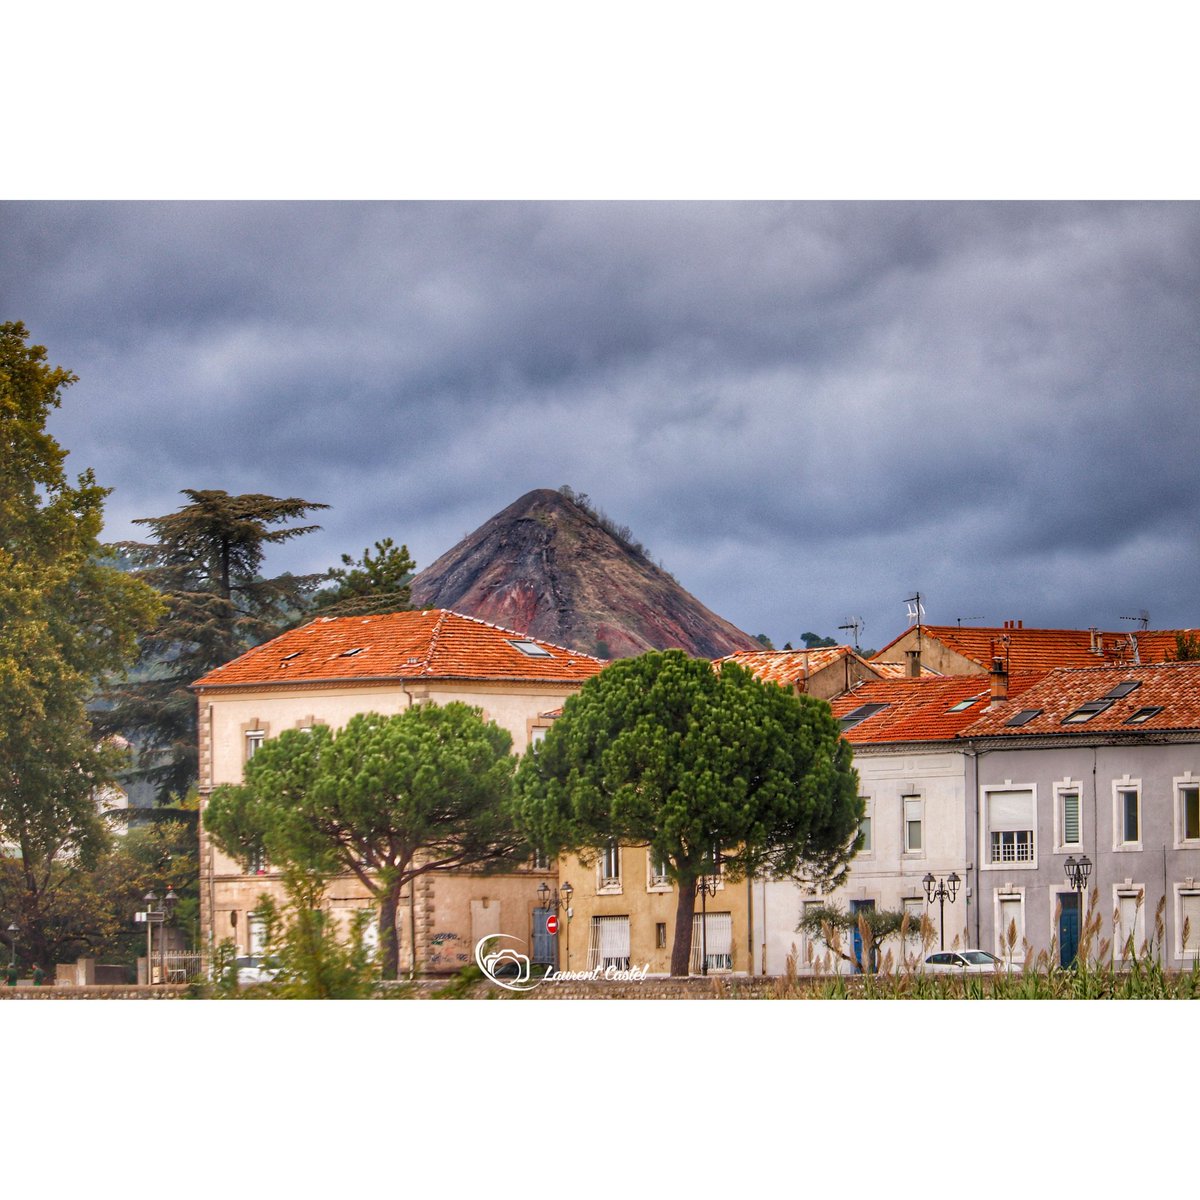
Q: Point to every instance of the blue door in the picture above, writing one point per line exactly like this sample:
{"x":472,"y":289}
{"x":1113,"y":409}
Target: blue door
{"x":857,"y":906}
{"x":545,"y":945}
{"x":1068,"y":927}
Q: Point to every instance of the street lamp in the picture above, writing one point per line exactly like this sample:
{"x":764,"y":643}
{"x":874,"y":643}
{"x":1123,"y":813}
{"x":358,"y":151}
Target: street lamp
{"x":941,"y":890}
{"x":13,"y":930}
{"x":558,"y":898}
{"x":1077,"y":874}
{"x":706,"y":885}
{"x":157,"y":916}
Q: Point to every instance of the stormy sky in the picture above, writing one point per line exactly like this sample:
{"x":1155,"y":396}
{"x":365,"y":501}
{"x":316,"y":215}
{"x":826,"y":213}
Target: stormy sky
{"x":807,"y":411}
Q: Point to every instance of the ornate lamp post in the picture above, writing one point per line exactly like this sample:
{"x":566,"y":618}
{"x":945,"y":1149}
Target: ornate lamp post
{"x":157,"y":916}
{"x":1077,"y":875}
{"x":706,"y":885}
{"x":13,"y":930}
{"x":941,"y":890}
{"x":555,"y":899}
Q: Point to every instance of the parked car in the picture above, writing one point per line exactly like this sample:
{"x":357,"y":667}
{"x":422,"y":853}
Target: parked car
{"x":251,"y":969}
{"x":964,"y":962}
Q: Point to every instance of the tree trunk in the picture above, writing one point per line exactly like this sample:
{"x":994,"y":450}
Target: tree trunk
{"x":681,"y":950}
{"x":389,"y":942}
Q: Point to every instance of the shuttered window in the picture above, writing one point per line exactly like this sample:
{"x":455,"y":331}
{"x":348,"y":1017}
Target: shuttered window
{"x":1010,"y":826}
{"x":717,"y":942}
{"x":1070,"y":818}
{"x":913,"y":840}
{"x":1129,"y":925}
{"x":1189,"y":922}
{"x":1011,"y":929}
{"x":608,"y":945}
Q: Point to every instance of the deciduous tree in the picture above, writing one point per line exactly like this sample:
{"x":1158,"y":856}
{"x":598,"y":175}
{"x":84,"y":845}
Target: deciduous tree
{"x":66,"y":619}
{"x":663,"y":751}
{"x":387,"y":799}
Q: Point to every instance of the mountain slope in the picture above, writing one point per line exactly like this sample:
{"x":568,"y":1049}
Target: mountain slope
{"x":547,"y":566}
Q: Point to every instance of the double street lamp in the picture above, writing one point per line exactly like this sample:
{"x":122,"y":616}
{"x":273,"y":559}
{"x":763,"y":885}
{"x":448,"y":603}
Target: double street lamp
{"x":554,"y":899}
{"x":1077,"y":874}
{"x":706,"y":885}
{"x":941,"y":890}
{"x":157,"y":916}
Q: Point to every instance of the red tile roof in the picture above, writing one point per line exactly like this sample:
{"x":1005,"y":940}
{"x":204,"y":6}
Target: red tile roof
{"x":918,"y":710}
{"x":1045,"y":649}
{"x":788,"y":667}
{"x":433,"y":644}
{"x":1173,"y":687}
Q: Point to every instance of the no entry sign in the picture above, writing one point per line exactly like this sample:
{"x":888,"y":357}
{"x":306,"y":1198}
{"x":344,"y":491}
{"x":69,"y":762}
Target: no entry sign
{"x":552,"y":924}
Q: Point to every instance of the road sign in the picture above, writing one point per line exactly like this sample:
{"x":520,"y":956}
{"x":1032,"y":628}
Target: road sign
{"x":154,"y":918}
{"x":551,"y":924}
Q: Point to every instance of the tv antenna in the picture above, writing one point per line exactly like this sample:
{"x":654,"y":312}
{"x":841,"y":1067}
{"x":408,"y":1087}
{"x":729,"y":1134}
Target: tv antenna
{"x":962,"y":619}
{"x":916,"y":610}
{"x":1143,"y":620}
{"x":856,"y":625}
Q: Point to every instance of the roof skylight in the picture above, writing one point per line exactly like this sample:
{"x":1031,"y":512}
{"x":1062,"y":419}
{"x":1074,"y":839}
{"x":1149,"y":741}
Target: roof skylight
{"x":963,"y":705}
{"x":1123,"y":689}
{"x":860,"y":714}
{"x":352,"y":653}
{"x":1143,"y":715}
{"x":1024,"y":716}
{"x":1085,"y":712}
{"x":533,"y":649}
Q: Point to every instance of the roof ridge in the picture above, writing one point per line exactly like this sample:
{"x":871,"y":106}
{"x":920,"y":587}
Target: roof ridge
{"x":518,"y":634}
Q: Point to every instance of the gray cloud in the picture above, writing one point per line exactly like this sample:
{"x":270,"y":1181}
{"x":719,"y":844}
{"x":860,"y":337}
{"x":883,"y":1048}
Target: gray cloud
{"x":805,"y":410}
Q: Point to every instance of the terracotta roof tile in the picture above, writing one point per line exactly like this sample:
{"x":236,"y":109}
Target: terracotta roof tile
{"x":788,"y":667}
{"x":1173,"y":688}
{"x":919,"y":710}
{"x":1044,"y":649}
{"x":433,"y":644}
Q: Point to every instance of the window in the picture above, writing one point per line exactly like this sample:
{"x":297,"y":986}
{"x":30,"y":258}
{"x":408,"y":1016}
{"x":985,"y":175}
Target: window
{"x":541,"y":860}
{"x":963,"y":705}
{"x":1143,"y":715}
{"x":608,"y":945}
{"x":254,"y":741}
{"x":714,"y":939}
{"x":860,"y":714}
{"x":256,"y":931}
{"x":352,"y":652}
{"x":1129,"y":930}
{"x":1010,"y":824}
{"x":537,"y":735}
{"x":660,"y":935}
{"x":1024,"y":716}
{"x":914,"y":909}
{"x":913,"y":824}
{"x":610,"y":866}
{"x":258,"y":862}
{"x":1085,"y":712}
{"x":814,"y":944}
{"x":864,"y":826}
{"x":1068,"y":829}
{"x":1122,"y":689}
{"x":532,"y":649}
{"x":1010,"y":926}
{"x":1127,"y":814}
{"x":1187,"y":811}
{"x":656,"y":871}
{"x":1187,"y":922}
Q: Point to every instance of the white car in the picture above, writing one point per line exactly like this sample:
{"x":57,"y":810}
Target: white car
{"x":252,"y":969}
{"x":964,"y":962}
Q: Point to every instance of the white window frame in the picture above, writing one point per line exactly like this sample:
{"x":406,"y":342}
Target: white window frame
{"x":252,"y":743}
{"x":1122,"y":891}
{"x":915,"y":906}
{"x":609,"y":931}
{"x":917,"y":800}
{"x":1185,"y":781}
{"x":1119,"y":788}
{"x":814,"y":947}
{"x":1015,"y":895}
{"x":1066,"y":787}
{"x":720,"y":962}
{"x":656,"y":882}
{"x":1187,"y":888}
{"x":868,"y":850}
{"x":608,"y":884}
{"x":985,"y":832}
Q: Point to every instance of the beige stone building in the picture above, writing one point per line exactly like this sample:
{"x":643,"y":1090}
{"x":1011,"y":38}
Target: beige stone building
{"x":623,"y":912}
{"x":325,"y":673}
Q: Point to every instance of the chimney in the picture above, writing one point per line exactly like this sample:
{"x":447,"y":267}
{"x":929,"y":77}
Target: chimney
{"x":914,"y":662}
{"x":999,"y":679}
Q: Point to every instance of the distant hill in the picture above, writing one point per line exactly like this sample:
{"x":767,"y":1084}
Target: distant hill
{"x":554,"y":568}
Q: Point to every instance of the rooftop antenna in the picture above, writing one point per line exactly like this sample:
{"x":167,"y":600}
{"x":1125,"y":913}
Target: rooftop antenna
{"x":962,"y":619}
{"x":1143,"y":620}
{"x":916,"y":610}
{"x":856,"y":625}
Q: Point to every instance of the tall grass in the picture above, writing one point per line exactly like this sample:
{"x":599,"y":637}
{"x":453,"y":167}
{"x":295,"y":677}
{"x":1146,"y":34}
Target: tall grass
{"x":1105,"y":968}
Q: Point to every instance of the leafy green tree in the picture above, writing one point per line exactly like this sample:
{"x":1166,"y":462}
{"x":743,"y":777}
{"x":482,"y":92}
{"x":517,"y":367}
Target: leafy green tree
{"x":387,"y":799}
{"x":874,"y":926}
{"x":814,"y":641}
{"x":66,"y":619}
{"x":378,"y":584}
{"x":1187,"y":647}
{"x":664,"y":751}
{"x":206,"y":559}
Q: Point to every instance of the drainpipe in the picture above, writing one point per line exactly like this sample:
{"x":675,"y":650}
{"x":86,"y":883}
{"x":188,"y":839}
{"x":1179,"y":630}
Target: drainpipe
{"x":973,"y":849}
{"x":750,"y":924}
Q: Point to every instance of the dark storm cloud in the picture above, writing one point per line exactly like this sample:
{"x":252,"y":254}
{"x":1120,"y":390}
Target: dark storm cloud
{"x":807,"y":411}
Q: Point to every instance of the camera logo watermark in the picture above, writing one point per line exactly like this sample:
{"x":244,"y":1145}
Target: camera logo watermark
{"x":509,"y":968}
